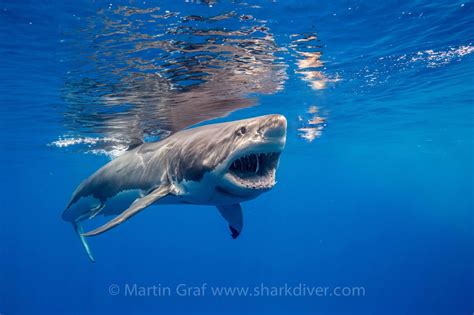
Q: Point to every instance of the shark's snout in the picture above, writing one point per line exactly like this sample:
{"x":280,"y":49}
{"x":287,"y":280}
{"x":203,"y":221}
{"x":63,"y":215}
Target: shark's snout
{"x":275,"y":126}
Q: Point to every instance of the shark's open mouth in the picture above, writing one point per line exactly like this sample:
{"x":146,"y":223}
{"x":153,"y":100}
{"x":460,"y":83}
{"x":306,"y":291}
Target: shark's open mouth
{"x":255,"y":170}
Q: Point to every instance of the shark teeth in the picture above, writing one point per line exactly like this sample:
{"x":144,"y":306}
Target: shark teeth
{"x":255,"y":170}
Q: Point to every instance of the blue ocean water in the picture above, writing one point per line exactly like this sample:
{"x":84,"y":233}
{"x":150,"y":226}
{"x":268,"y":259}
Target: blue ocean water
{"x":375,"y":186}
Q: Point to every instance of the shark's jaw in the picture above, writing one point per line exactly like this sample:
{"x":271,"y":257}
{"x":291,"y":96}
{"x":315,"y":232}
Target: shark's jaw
{"x":254,"y":170}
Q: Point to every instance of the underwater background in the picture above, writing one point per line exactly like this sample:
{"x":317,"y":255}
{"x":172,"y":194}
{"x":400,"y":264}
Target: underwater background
{"x":375,"y":186}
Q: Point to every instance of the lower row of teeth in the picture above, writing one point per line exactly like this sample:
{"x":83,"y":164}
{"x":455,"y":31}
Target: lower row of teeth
{"x":258,"y":162}
{"x":257,"y":183}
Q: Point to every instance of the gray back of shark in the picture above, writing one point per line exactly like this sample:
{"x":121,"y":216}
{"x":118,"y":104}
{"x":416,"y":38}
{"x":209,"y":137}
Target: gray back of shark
{"x":220,"y":164}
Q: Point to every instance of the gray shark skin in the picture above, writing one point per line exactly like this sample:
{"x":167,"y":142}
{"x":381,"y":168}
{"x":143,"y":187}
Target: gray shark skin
{"x":219,"y":165}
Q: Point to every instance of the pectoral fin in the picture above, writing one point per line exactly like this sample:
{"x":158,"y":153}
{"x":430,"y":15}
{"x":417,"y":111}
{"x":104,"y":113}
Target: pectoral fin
{"x":78,"y":229}
{"x":138,"y":205}
{"x":233,"y":215}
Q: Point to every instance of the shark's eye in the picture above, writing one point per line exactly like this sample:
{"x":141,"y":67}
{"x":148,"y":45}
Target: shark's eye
{"x":242,"y":130}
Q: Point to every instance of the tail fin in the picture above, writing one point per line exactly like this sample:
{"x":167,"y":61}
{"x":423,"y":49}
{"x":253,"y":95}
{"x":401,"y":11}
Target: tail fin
{"x":79,"y":232}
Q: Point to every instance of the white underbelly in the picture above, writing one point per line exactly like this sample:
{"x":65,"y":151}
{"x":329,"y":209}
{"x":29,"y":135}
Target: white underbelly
{"x":205,"y":192}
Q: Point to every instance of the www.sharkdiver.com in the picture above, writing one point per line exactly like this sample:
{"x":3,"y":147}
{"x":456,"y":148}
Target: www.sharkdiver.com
{"x":261,"y":290}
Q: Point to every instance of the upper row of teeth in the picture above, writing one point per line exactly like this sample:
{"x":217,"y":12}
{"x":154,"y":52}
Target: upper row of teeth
{"x":248,"y":157}
{"x":258,"y":159}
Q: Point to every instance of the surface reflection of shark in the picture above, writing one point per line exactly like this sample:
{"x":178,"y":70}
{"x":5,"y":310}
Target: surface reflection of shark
{"x":150,"y":72}
{"x":219,"y":164}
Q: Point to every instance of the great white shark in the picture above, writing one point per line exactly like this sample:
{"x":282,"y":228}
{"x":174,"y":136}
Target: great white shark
{"x":219,"y":165}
